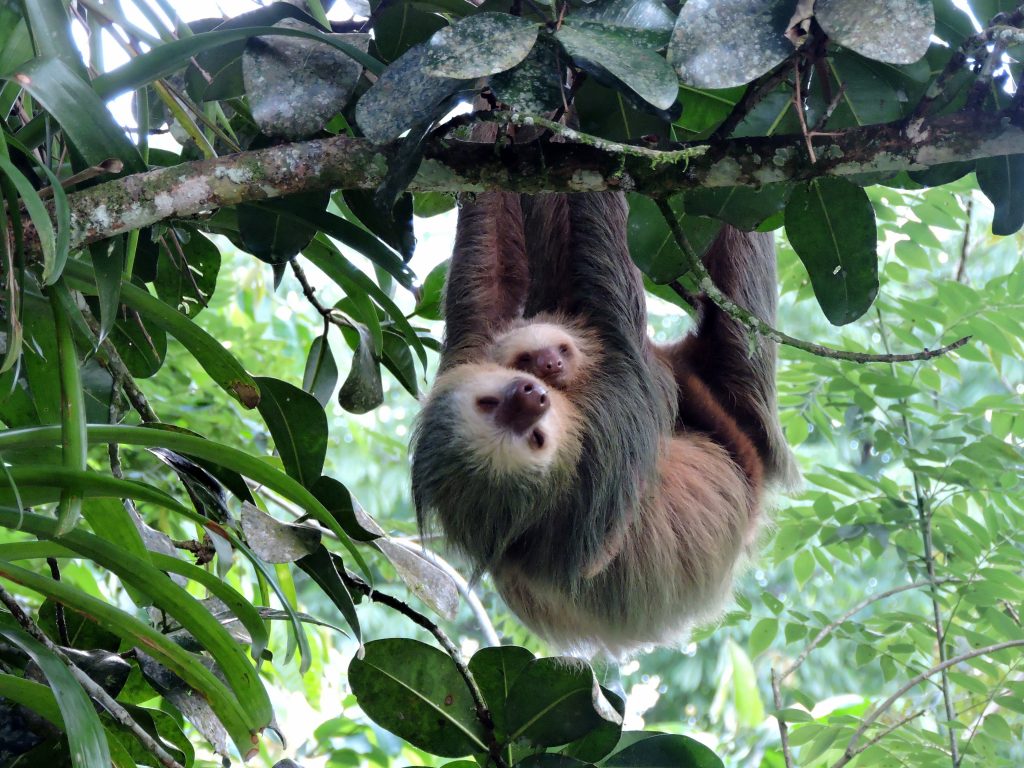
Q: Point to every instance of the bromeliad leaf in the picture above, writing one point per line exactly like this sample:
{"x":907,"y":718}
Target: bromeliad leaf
{"x":479,"y":45}
{"x":724,"y":43}
{"x":894,"y":31}
{"x":416,"y":692}
{"x":831,"y":225}
{"x":611,"y":57}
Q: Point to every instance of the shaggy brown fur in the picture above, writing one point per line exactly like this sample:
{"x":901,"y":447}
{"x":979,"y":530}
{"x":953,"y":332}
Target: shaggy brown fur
{"x":632,"y":531}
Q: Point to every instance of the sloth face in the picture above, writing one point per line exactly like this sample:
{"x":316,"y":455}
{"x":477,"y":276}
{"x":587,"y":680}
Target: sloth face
{"x":546,"y":350}
{"x":505,"y":422}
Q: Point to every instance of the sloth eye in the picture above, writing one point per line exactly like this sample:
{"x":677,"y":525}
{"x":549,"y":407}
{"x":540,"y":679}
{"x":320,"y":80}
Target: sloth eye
{"x":523,"y":361}
{"x":487,"y":404}
{"x":564,"y":349}
{"x":537,"y":438}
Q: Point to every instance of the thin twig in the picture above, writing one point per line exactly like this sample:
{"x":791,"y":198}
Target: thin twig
{"x":783,"y":725}
{"x":757,"y":325}
{"x":95,"y":691}
{"x":851,"y":747}
{"x":483,"y":714}
{"x":798,"y":105}
{"x":753,"y":96}
{"x":61,"y":619}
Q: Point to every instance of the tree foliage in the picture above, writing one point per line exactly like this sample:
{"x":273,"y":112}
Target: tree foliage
{"x":180,"y":536}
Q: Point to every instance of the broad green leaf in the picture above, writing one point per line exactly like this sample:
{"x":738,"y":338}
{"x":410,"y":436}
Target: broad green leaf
{"x":208,"y":352}
{"x":415,"y":691}
{"x":665,"y":750}
{"x":108,"y":263}
{"x":495,"y":670}
{"x":704,"y":110}
{"x":405,"y":94}
{"x":648,"y":22}
{"x":743,"y":207}
{"x":295,"y":85}
{"x":271,"y":235}
{"x":1002,"y":180}
{"x":298,"y":424}
{"x":535,"y":86}
{"x":554,"y":701}
{"x":894,"y":31}
{"x":186,"y":271}
{"x":725,"y":43}
{"x":50,"y":26}
{"x":831,"y":225}
{"x":479,"y":45}
{"x":615,"y":61}
{"x":651,"y":244}
{"x":86,"y":739}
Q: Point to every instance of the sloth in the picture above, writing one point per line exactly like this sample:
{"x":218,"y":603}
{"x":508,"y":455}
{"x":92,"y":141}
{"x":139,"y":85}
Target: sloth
{"x":609,"y":485}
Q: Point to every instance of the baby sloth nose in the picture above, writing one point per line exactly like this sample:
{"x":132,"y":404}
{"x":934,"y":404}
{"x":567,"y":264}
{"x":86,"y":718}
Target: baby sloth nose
{"x":525,"y":402}
{"x":548,"y":362}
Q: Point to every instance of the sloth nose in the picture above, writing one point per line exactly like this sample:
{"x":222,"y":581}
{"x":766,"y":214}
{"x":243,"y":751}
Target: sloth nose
{"x":548,"y":362}
{"x":525,"y":402}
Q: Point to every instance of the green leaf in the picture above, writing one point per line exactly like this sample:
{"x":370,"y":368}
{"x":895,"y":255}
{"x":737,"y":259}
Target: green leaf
{"x":611,"y":58}
{"x":326,"y":569}
{"x":87,"y":741}
{"x":168,"y":596}
{"x":298,"y":424}
{"x":416,"y":692}
{"x":51,"y":31}
{"x":171,"y":56}
{"x":648,"y":22}
{"x":82,"y":115}
{"x":208,"y":352}
{"x":479,"y":45}
{"x":746,"y":697}
{"x":187,"y":269}
{"x":651,"y":244}
{"x":184,"y":664}
{"x":533,"y":87}
{"x":40,"y":217}
{"x":725,"y":43}
{"x":831,"y":225}
{"x":554,"y":701}
{"x":363,"y":389}
{"x":273,"y":237}
{"x":894,"y":31}
{"x":405,"y":94}
{"x":1002,"y":180}
{"x":665,"y":750}
{"x":743,"y":207}
{"x":321,"y":374}
{"x":495,"y":669}
{"x":108,"y":264}
{"x":74,"y":442}
{"x":762,"y":635}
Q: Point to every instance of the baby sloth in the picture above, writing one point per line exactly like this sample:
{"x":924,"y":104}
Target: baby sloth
{"x":610,"y":486}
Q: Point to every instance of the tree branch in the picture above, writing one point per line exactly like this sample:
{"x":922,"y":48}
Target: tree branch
{"x":581,"y":165}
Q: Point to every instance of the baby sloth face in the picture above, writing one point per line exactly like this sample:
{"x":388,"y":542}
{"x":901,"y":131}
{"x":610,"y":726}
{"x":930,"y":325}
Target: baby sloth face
{"x":546,"y":350}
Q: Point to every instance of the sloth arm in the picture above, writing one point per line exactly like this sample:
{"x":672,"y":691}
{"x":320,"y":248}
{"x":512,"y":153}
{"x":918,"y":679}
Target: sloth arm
{"x":487,"y":276}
